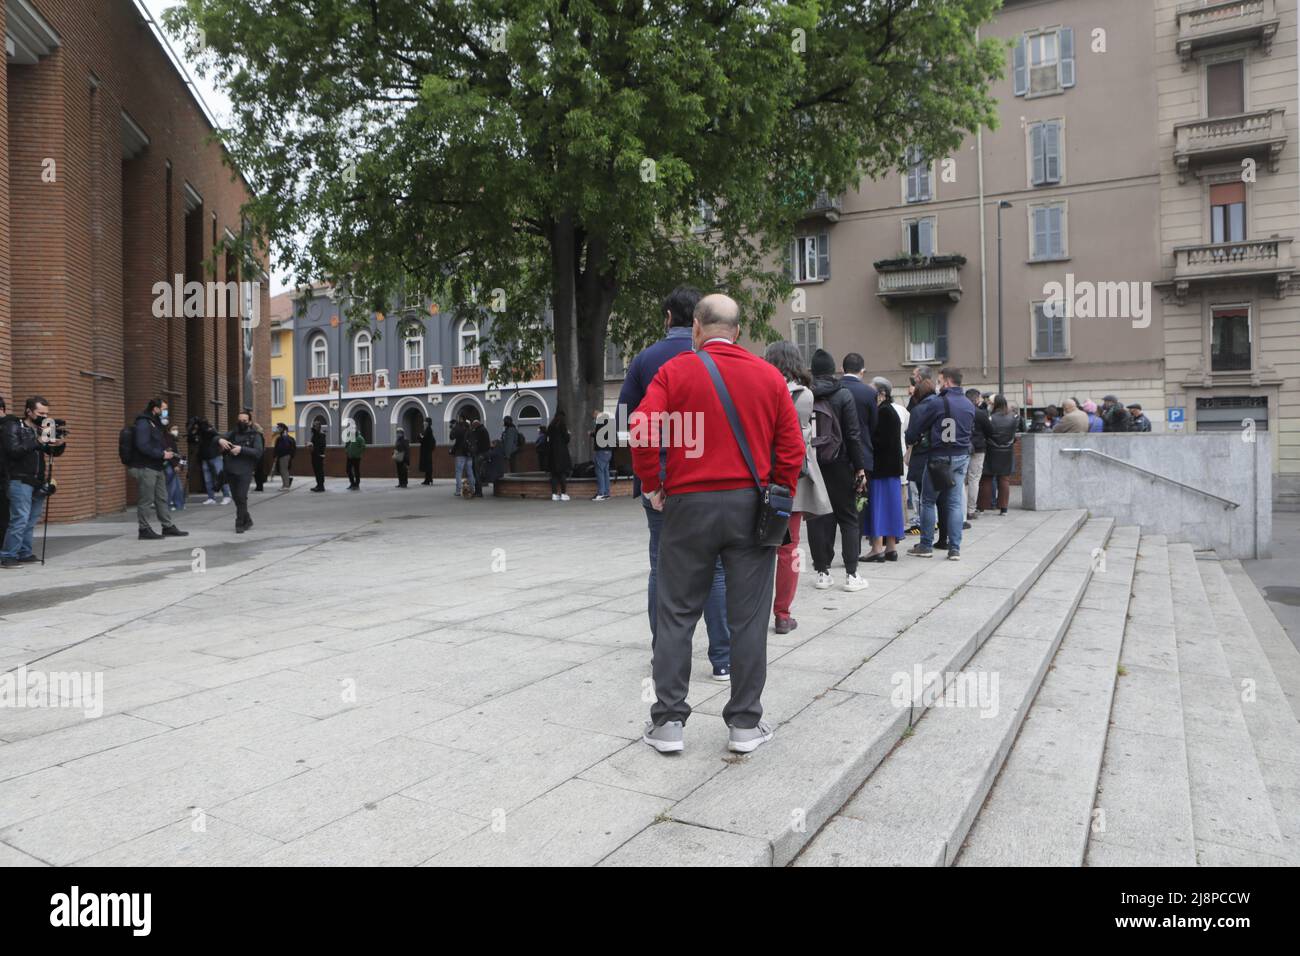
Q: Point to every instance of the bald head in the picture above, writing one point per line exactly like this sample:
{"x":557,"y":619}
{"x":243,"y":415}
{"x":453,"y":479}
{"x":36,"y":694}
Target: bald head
{"x":718,"y":314}
{"x":1068,"y":406}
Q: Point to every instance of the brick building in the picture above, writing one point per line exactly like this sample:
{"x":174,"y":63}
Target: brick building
{"x":111,"y":183}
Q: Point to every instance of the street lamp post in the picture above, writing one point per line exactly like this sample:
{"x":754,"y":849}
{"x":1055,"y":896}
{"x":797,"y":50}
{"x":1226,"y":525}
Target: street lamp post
{"x":1002,"y":389}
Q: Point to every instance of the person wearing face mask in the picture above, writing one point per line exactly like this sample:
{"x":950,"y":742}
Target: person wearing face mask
{"x":149,"y":456}
{"x":24,"y":445}
{"x":172,"y":468}
{"x":243,"y":449}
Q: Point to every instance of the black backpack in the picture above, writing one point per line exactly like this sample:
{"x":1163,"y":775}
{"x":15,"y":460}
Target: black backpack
{"x":126,"y":445}
{"x":828,"y":440}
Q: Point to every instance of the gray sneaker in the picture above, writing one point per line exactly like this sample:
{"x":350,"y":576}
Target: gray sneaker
{"x":666,"y":738}
{"x":742,"y":741}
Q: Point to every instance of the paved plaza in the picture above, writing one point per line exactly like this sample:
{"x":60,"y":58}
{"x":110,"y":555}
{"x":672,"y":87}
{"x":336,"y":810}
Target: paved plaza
{"x":403,"y":677}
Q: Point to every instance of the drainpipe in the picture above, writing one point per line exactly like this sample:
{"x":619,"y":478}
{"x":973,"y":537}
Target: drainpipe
{"x":984,"y":310}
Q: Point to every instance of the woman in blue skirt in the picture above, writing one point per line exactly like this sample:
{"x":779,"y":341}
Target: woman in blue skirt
{"x":884,"y":513}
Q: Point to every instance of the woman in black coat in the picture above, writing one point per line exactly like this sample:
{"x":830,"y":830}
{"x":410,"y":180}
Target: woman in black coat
{"x":999,"y":457}
{"x":427,"y":444}
{"x":557,"y":447}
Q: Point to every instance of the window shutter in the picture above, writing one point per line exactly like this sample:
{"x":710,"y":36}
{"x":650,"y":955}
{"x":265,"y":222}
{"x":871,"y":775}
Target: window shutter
{"x":1019,"y":73}
{"x":789,"y":260}
{"x":1058,"y":335}
{"x":1067,"y":57}
{"x":940,"y":338}
{"x":1051,"y":152}
{"x":923,"y":175}
{"x":1041,"y":344}
{"x":1036,"y":154}
{"x":1057,"y":220}
{"x":823,"y":255}
{"x":1040,"y":250}
{"x":925,"y":243}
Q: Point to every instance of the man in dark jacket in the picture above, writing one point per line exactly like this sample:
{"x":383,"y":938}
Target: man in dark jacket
{"x":1138,"y":421}
{"x":4,"y":475}
{"x":318,"y":455}
{"x":511,"y":441}
{"x":679,"y":316}
{"x":24,"y":446}
{"x":948,"y":419}
{"x":864,"y":397}
{"x":481,"y":443}
{"x":844,"y":469}
{"x":427,"y":444}
{"x":402,"y":457}
{"x":978,"y":443}
{"x":149,"y":454}
{"x":462,"y":450}
{"x":243,"y":449}
{"x":1114,"y":417}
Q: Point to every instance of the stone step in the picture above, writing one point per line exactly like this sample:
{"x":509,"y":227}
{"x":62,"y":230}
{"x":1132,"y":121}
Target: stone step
{"x":1143,"y":812}
{"x":1232,"y":818}
{"x":1282,"y":655}
{"x":1040,"y":809}
{"x":1269,"y":720}
{"x":825,"y":749}
{"x":918,"y":805}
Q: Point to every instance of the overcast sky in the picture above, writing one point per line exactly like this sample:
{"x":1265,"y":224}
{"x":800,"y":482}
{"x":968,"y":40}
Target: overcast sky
{"x":214,"y":97}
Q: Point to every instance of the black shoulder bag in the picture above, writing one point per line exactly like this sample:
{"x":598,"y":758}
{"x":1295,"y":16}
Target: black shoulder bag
{"x":776,"y":501}
{"x":939,"y":467}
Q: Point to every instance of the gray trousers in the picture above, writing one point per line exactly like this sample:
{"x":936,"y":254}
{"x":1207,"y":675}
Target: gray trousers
{"x":151,"y":496}
{"x":699,"y":528}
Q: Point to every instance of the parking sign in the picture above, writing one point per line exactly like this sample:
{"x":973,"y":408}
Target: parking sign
{"x":1177,"y":418}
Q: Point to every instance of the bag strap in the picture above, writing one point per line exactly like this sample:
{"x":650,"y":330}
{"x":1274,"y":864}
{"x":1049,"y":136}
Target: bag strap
{"x":724,"y":397}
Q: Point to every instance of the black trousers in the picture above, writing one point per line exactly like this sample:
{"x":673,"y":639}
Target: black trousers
{"x":403,"y":471}
{"x":4,"y":506}
{"x":354,"y":472}
{"x":239,"y":491}
{"x":428,"y":474}
{"x":318,"y":466}
{"x":844,"y":516}
{"x":698,"y":529}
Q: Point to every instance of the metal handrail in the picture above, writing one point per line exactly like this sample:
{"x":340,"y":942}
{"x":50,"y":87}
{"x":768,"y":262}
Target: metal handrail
{"x":1154,"y":474}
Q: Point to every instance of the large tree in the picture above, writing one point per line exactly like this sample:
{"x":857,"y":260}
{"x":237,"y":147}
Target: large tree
{"x":511,"y":155}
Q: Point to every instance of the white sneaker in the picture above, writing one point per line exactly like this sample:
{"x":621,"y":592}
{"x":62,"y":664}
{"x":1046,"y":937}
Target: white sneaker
{"x":210,"y":501}
{"x":555,"y":497}
{"x":226,"y":501}
{"x":564,"y":497}
{"x":823,"y":581}
{"x":855,"y":583}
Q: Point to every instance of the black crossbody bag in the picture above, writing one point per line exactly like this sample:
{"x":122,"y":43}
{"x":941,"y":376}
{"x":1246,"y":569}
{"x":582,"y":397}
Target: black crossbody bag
{"x":939,"y":467}
{"x":776,"y":501}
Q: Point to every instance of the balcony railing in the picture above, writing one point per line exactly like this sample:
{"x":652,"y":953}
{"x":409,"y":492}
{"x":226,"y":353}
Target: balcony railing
{"x":1202,"y":25}
{"x":1230,"y":137}
{"x":412,"y":378}
{"x":361,"y":383}
{"x":318,"y":386}
{"x":921,"y":276}
{"x":826,"y":206}
{"x":466,"y":374}
{"x":1254,"y":258}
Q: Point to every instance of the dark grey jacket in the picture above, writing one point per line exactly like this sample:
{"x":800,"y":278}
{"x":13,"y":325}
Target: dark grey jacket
{"x":245,"y":463}
{"x":830,"y":389}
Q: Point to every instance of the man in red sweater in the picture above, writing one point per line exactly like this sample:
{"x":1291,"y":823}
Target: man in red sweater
{"x":710,"y":504}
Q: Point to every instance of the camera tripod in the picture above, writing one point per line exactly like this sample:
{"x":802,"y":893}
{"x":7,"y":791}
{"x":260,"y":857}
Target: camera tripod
{"x":49,"y":482}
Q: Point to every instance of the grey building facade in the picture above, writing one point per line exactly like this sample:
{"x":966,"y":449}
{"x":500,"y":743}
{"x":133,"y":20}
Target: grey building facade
{"x":389,"y":381}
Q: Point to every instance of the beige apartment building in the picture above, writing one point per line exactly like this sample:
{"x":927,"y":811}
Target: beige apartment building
{"x":1131,"y":263}
{"x":1227,"y":86}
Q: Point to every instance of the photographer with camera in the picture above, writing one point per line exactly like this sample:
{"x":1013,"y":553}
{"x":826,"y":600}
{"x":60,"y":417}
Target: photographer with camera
{"x":25,"y":443}
{"x":243,"y":449}
{"x":147,"y":457}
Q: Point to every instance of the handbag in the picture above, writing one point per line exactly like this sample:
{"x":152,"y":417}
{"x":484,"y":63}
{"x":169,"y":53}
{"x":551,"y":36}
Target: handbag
{"x":939,"y":467}
{"x":776,"y":502}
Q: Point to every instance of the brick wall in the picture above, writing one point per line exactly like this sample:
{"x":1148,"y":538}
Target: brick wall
{"x":79,"y":256}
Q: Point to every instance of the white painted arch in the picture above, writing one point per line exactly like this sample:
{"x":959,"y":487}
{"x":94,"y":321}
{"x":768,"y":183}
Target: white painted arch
{"x":527,"y":394}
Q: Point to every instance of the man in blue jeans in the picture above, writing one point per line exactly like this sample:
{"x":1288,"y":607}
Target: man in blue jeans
{"x":679,"y":314}
{"x":948,"y":417}
{"x":602,"y":453}
{"x":25,"y":444}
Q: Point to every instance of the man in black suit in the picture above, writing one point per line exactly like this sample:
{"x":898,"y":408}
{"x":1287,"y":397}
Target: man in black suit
{"x":864,"y":397}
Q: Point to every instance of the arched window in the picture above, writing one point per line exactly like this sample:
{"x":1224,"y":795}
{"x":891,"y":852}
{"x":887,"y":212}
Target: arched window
{"x":361,"y":354}
{"x":320,"y":360}
{"x":413,"y":352}
{"x":467,"y":342}
{"x":529,"y":412}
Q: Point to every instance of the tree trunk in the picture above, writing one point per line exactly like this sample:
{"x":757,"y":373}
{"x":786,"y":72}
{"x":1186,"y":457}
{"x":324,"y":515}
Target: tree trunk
{"x":581,"y":301}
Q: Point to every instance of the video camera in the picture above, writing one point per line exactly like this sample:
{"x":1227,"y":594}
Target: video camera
{"x":59,"y":428}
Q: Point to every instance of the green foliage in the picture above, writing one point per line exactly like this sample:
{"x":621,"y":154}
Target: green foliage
{"x":558,"y":150}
